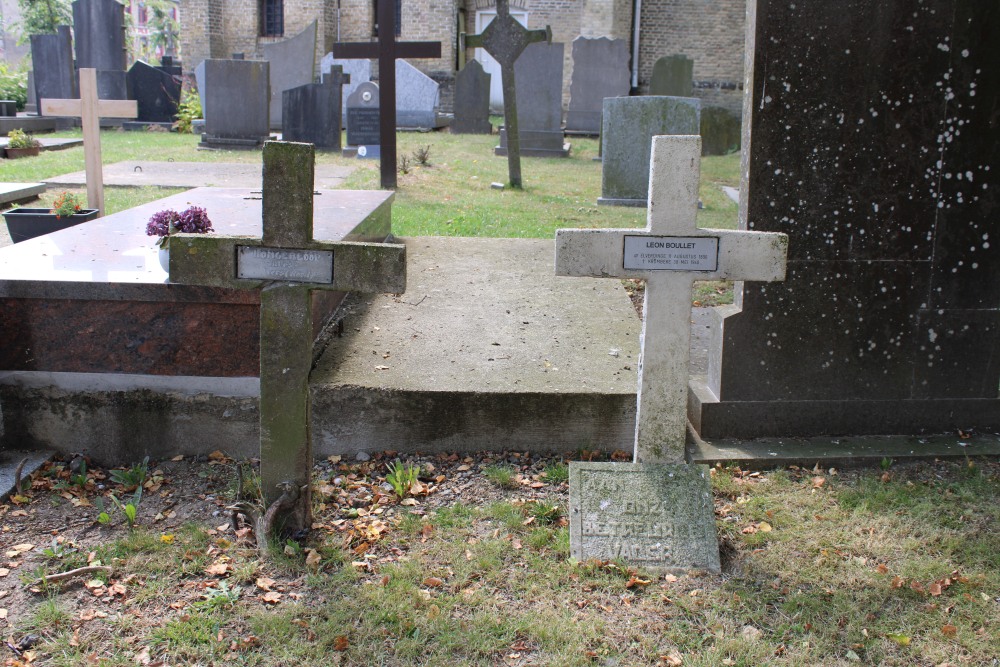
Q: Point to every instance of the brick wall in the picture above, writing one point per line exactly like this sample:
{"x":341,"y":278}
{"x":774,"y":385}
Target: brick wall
{"x":709,"y":32}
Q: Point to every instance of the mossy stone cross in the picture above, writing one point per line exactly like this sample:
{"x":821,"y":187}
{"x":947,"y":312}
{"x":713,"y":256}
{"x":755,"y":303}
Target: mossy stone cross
{"x":287,"y":265}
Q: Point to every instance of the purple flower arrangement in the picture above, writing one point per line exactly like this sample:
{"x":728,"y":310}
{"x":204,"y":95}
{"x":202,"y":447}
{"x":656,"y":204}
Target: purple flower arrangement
{"x":193,"y":220}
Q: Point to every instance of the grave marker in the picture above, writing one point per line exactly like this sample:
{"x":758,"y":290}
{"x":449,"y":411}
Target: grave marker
{"x":363,"y":115}
{"x":387,"y":49}
{"x":659,"y":516}
{"x":286,"y":265}
{"x":472,"y":101}
{"x":89,"y":109}
{"x":504,"y":39}
{"x":670,"y":254}
{"x":311,"y":113}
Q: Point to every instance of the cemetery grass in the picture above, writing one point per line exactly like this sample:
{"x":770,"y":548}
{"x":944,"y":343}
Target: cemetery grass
{"x":896,"y":564}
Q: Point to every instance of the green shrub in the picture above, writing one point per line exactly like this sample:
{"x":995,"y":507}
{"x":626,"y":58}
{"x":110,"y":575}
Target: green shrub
{"x":188,"y":111}
{"x":14,"y":84}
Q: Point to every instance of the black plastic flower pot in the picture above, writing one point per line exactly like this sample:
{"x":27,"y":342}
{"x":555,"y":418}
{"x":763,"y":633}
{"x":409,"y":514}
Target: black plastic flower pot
{"x":27,"y":223}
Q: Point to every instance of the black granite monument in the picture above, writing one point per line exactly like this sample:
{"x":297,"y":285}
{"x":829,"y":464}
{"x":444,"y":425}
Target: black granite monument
{"x":311,"y":113}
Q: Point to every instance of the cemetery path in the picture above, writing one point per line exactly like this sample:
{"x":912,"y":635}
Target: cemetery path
{"x":137,"y":173}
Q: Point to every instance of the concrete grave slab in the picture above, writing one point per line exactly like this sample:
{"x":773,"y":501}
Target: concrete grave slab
{"x":194,"y":174}
{"x":11,"y":193}
{"x":659,"y":517}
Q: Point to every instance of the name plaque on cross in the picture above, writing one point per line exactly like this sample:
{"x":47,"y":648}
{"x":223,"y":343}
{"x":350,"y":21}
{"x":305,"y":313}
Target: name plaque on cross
{"x":304,"y":266}
{"x":671,"y":253}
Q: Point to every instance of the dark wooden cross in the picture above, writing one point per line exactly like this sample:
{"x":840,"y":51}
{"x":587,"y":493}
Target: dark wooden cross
{"x":286,"y":265}
{"x":504,"y":39}
{"x":387,"y":49}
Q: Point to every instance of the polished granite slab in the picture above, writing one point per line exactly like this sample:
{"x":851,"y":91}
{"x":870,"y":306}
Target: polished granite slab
{"x":94,"y":298}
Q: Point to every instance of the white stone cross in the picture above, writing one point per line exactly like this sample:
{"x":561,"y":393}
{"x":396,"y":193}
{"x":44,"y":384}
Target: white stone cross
{"x":89,"y":109}
{"x":670,"y":254}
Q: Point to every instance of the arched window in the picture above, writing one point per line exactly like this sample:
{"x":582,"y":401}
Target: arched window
{"x":272,"y":18}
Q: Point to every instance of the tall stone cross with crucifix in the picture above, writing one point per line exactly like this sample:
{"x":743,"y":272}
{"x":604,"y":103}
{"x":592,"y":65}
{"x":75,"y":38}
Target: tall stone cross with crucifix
{"x":504,"y":39}
{"x":670,"y":254}
{"x":286,"y":266}
{"x":89,"y":109}
{"x":387,"y":49}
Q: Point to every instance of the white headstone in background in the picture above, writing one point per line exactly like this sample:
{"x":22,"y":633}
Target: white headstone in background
{"x":417,"y":97}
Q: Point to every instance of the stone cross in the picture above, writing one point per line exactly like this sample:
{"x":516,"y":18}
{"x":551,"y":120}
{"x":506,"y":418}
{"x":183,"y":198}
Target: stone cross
{"x":89,"y":109}
{"x":670,"y":254}
{"x":286,"y":265}
{"x":387,"y":49}
{"x":504,"y":39}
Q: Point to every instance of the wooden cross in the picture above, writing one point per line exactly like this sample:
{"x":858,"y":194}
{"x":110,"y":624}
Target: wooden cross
{"x":387,"y":49}
{"x":286,"y":265}
{"x":89,"y":109}
{"x":670,"y":254}
{"x":505,"y":39}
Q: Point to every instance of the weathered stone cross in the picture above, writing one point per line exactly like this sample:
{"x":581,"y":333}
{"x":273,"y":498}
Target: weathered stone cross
{"x":89,"y":109}
{"x":670,"y":254}
{"x":504,"y":39}
{"x":286,"y":265}
{"x":387,"y":49}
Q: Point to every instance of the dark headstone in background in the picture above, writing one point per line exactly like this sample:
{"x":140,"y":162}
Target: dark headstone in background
{"x":8,"y":108}
{"x":311,"y":113}
{"x":237,"y":94}
{"x":99,"y":30}
{"x":672,"y":75}
{"x":52,"y":63}
{"x":872,"y":141}
{"x":600,"y":69}
{"x":362,"y":116}
{"x":720,"y":131}
{"x":168,"y":65}
{"x":538,"y":82}
{"x":472,"y":101}
{"x":157,"y":94}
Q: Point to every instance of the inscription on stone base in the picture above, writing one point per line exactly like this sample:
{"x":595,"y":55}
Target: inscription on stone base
{"x":659,"y":517}
{"x":306,"y":266}
{"x":672,"y":253}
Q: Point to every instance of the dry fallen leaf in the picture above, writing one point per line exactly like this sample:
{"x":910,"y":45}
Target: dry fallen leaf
{"x":218,"y":568}
{"x":818,"y":482}
{"x":265,"y":583}
{"x":340,"y":643}
{"x":433,"y":582}
{"x":313,"y":559}
{"x":272,"y":597}
{"x":949,"y":630}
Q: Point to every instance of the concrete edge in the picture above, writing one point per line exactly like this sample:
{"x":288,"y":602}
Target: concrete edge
{"x":11,"y":459}
{"x":238,"y":387}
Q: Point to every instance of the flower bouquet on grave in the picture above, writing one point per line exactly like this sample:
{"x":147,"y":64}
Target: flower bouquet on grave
{"x":168,"y":222}
{"x":66,"y":204}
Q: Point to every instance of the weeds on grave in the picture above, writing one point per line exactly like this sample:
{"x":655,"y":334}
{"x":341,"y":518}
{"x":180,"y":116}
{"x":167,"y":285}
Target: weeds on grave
{"x":500,"y":475}
{"x":128,"y":509}
{"x":402,"y":477}
{"x":133,"y":477}
{"x":557,"y":473}
{"x":187,"y":112}
{"x":222,"y":597}
{"x":423,"y":155}
{"x":544,"y":512}
{"x":404,"y":164}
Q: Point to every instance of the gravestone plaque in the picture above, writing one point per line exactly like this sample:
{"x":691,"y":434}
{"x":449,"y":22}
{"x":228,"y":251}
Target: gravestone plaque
{"x":156,"y":92}
{"x":363,"y":116}
{"x":311,"y":112}
{"x":877,"y":152}
{"x":600,"y":69}
{"x":672,"y":76}
{"x":99,"y":31}
{"x":630,"y":123}
{"x":237,"y":97}
{"x":472,"y":101}
{"x":359,"y":72}
{"x":293,"y":62}
{"x":52,"y":60}
{"x":538,"y":80}
{"x":417,"y":99}
{"x":658,"y":517}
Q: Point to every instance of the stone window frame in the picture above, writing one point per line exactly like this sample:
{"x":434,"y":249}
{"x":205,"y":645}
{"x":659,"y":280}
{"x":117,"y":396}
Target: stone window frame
{"x":399,"y":18}
{"x":272,"y":18}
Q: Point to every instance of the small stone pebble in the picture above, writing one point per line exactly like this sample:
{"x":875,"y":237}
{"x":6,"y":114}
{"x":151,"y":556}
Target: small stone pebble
{"x":362,"y":456}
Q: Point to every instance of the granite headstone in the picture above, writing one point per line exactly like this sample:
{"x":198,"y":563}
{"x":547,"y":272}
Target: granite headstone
{"x":8,"y":108}
{"x":156,"y":92}
{"x":170,"y":66}
{"x":538,"y":85}
{"x":99,"y":31}
{"x":52,"y":62}
{"x":417,"y":99}
{"x":630,"y":123}
{"x":199,"y":79}
{"x":237,"y":95}
{"x":293,"y":63}
{"x":672,"y":76}
{"x":311,"y":113}
{"x":363,"y":118}
{"x":359,"y":70}
{"x":472,"y":101}
{"x":873,"y":142}
{"x":600,"y":69}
